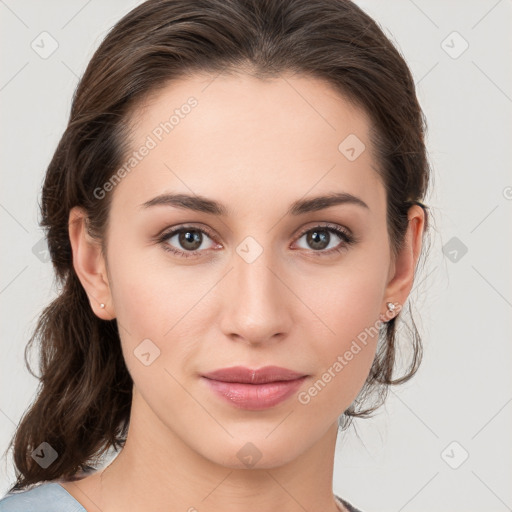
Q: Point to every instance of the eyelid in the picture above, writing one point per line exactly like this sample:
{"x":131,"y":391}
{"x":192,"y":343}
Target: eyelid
{"x":325,"y":225}
{"x":168,"y":231}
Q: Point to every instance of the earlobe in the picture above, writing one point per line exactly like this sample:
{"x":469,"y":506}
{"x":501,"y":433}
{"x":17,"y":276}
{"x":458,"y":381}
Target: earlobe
{"x":402,"y":278}
{"x":89,"y":265}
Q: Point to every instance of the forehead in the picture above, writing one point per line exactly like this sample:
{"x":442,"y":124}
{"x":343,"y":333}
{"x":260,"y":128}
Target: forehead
{"x":240,"y":139}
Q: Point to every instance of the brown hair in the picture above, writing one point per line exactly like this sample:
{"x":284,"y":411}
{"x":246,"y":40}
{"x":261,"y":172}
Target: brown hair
{"x":84,"y":398}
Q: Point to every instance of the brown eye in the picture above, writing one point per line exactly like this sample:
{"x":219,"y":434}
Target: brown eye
{"x":320,"y":237}
{"x":188,"y":241}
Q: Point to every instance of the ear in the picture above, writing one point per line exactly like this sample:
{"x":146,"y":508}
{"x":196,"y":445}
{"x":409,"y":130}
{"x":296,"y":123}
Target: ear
{"x":90,"y":265}
{"x":401,"y":272}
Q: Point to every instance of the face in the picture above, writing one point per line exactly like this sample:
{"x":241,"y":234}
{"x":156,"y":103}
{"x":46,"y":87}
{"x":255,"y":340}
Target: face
{"x":263,"y":281}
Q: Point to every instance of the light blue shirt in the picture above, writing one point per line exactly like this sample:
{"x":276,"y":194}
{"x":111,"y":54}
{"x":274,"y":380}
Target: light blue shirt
{"x":52,"y":497}
{"x":45,"y":497}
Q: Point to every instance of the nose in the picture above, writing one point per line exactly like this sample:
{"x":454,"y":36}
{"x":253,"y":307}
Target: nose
{"x":256,"y":302}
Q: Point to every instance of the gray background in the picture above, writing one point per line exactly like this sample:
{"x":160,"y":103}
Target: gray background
{"x":440,"y":442}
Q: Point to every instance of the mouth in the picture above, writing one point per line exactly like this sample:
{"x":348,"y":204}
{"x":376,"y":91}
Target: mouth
{"x":254,"y":389}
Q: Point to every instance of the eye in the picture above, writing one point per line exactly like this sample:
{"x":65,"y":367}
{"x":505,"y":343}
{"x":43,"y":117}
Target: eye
{"x":188,"y":238}
{"x":320,"y":237}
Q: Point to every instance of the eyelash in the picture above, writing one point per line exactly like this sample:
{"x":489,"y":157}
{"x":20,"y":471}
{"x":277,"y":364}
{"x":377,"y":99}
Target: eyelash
{"x":347,"y":239}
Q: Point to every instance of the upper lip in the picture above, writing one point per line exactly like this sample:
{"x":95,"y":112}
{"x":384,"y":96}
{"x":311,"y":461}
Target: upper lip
{"x":257,"y":376}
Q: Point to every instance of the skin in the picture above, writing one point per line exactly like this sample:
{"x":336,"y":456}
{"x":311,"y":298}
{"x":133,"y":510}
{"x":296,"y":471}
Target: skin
{"x":256,"y":146}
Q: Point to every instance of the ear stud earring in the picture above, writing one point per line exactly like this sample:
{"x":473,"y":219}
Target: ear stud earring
{"x":391,"y":306}
{"x":102,"y":305}
{"x":390,"y":313}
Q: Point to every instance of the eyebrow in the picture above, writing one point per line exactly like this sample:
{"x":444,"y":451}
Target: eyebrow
{"x":203,"y":204}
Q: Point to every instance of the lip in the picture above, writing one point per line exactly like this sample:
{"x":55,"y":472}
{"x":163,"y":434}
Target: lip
{"x":254,"y":389}
{"x":245,"y":375}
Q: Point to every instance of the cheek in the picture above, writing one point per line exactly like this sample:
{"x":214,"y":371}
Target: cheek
{"x":150,"y":293}
{"x":345,"y":331}
{"x":345,"y":352}
{"x":156,"y":302}
{"x":346,"y":299}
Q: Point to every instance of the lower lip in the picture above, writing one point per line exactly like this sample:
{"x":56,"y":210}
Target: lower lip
{"x":255,"y":396}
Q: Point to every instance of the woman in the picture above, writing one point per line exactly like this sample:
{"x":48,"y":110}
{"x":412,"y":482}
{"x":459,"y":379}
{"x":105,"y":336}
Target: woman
{"x":235,"y":215}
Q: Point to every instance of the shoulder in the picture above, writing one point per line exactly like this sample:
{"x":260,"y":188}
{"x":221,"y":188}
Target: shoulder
{"x":348,"y":505}
{"x":45,"y":497}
